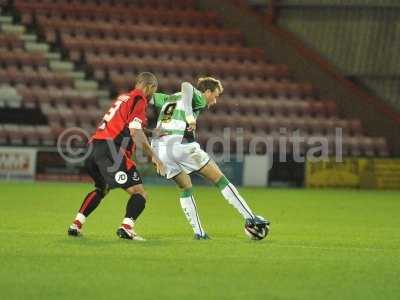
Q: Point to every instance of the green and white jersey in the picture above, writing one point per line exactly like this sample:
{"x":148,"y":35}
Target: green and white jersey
{"x":174,"y":109}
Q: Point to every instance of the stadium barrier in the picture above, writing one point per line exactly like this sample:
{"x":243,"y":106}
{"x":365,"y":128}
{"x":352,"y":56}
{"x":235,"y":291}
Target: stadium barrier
{"x":17,"y":163}
{"x":255,"y":170}
{"x":376,"y":173}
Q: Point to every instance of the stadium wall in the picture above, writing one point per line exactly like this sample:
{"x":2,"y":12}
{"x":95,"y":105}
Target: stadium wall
{"x":361,"y":38}
{"x":281,"y":46}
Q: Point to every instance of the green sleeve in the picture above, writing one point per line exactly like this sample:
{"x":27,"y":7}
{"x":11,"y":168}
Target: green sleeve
{"x":159,"y":100}
{"x":199,"y":103}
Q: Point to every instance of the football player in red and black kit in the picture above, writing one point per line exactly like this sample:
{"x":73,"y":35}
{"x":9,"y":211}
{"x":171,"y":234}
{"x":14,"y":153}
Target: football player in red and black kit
{"x":110,"y":164}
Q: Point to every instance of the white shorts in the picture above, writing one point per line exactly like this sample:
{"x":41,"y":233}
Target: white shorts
{"x":179,"y":157}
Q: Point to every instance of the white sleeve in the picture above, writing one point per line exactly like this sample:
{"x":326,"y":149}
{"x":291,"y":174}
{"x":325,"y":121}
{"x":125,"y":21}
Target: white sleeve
{"x":187,"y":96}
{"x":136,"y":123}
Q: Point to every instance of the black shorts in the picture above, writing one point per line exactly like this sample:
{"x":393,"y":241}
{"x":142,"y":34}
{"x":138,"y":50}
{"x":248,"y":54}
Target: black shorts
{"x":110,"y":172}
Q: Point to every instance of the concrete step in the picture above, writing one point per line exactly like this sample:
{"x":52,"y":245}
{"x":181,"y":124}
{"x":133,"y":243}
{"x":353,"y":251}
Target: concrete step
{"x":104,"y":94}
{"x":78,"y":75}
{"x":14,"y":29}
{"x":37,"y":47}
{"x":29,"y":37}
{"x":6,"y":20}
{"x":53,"y":56}
{"x":86,"y":85}
{"x":61,"y":66}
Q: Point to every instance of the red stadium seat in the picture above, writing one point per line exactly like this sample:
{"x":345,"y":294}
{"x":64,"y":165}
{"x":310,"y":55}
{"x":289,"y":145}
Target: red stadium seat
{"x":10,"y":42}
{"x":381,"y":147}
{"x":47,"y":136}
{"x":15,"y":134}
{"x":3,"y":136}
{"x":31,"y":135}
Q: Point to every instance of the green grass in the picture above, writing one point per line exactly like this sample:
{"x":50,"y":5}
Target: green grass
{"x":324,"y":244}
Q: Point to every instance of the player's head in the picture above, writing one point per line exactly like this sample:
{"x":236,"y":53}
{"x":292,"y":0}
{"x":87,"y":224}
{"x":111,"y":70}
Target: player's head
{"x":211,"y":89}
{"x":147,"y":82}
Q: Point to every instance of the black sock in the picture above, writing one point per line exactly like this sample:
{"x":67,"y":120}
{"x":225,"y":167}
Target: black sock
{"x":92,"y":200}
{"x":135,"y":206}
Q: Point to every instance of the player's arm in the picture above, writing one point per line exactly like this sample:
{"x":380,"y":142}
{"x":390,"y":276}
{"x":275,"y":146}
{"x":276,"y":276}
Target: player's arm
{"x":139,"y":137}
{"x":187,"y":96}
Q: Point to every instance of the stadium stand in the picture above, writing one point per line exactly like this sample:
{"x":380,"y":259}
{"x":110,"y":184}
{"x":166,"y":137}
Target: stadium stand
{"x":109,"y":41}
{"x":33,"y":75}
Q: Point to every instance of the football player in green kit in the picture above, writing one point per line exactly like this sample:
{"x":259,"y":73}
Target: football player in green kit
{"x":181,"y":154}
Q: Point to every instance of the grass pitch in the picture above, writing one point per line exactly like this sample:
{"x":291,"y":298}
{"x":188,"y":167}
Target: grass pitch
{"x":324,"y":244}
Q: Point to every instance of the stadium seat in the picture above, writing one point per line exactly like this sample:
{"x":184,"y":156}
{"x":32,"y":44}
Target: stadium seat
{"x":10,"y":42}
{"x":381,"y":147}
{"x":47,"y":137}
{"x":31,"y":135}
{"x":15,"y":134}
{"x":9,"y":96}
{"x":3,"y":136}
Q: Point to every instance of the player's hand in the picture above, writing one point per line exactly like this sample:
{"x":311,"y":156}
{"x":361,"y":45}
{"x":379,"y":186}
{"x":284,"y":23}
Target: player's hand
{"x":191,"y":122}
{"x":158,"y":132}
{"x":159,"y":166}
{"x":192,"y":127}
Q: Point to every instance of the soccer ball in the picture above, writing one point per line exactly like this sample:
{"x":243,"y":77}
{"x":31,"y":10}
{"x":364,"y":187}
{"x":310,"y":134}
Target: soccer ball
{"x":256,"y":229}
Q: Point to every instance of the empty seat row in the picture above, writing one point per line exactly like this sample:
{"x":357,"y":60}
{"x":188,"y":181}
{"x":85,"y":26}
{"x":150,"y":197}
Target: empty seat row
{"x":77,"y":46}
{"x":36,"y":95}
{"x":31,"y":77}
{"x":74,"y":111}
{"x":107,"y":12}
{"x":266,"y":89}
{"x":155,"y":4}
{"x":10,"y":41}
{"x":367,"y":146}
{"x":274,"y":143}
{"x":173,"y":80}
{"x":21,"y":58}
{"x":273,"y":107}
{"x":27,"y":135}
{"x":145,"y":32}
{"x":74,"y":107}
{"x":278,"y":72}
{"x":289,"y":124}
{"x":176,"y":71}
{"x":72,"y":119}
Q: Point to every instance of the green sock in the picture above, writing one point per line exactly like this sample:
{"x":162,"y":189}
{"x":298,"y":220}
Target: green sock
{"x":187,"y":192}
{"x":222,"y":183}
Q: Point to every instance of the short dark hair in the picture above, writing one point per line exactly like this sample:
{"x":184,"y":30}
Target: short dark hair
{"x":146,"y":78}
{"x":209,"y":83}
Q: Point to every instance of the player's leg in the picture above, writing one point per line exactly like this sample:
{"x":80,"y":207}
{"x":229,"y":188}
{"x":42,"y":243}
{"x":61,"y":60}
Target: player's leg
{"x":120,"y":172}
{"x":194,"y":159}
{"x":134,"y":208}
{"x":92,"y":199}
{"x":170,"y":155}
{"x":212,"y":172}
{"x":90,"y":203}
{"x":188,"y":205}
